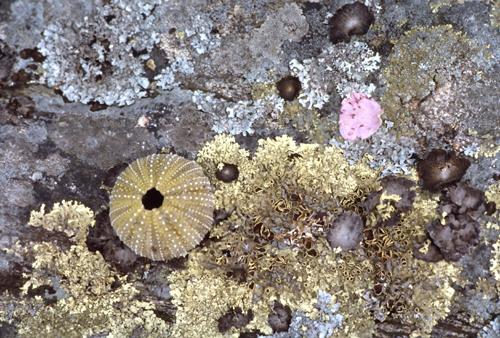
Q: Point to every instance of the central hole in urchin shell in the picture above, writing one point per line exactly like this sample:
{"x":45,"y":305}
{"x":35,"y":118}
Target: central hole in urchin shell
{"x":152,"y":199}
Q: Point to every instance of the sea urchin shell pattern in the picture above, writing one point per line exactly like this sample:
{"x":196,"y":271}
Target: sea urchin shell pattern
{"x":162,"y":206}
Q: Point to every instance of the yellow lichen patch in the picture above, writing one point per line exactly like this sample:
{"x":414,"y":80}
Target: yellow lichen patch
{"x":116,"y":314}
{"x":263,"y":90}
{"x":493,"y":193}
{"x":344,"y":275}
{"x":92,"y":275}
{"x":431,"y":294}
{"x":224,"y":149}
{"x":315,"y":168}
{"x":287,"y":193}
{"x":90,"y":299}
{"x":495,"y":262}
{"x":397,"y":242}
{"x":70,"y":217}
{"x":488,"y":149}
{"x":415,"y":70}
{"x":412,"y":291}
{"x":495,"y":14}
{"x":203,"y":295}
{"x":273,"y":246}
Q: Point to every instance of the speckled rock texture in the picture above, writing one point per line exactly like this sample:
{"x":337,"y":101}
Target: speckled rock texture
{"x":89,"y":86}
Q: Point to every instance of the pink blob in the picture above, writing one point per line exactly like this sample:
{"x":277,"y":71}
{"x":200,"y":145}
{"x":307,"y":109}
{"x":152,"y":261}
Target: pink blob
{"x":359,"y":117}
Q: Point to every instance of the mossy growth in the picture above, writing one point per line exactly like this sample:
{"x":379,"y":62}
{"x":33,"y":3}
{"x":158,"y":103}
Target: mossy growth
{"x":90,"y":297}
{"x":273,"y":246}
{"x":416,"y":69}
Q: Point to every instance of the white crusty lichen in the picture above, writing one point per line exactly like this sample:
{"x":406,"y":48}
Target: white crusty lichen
{"x":314,"y":93}
{"x":386,"y":152}
{"x":232,"y":117}
{"x":101,"y":58}
{"x":354,"y":62}
{"x":344,"y":66}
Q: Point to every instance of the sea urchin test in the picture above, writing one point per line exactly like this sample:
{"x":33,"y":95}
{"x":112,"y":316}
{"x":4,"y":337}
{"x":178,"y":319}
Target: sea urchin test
{"x":162,"y":206}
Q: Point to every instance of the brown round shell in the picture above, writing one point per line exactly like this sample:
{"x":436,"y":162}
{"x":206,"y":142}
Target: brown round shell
{"x":289,"y":87}
{"x":441,"y":168}
{"x":162,"y":206}
{"x":351,"y":19}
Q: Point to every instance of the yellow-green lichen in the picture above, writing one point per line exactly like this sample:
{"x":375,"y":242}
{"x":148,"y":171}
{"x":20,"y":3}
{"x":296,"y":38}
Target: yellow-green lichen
{"x":411,"y":291}
{"x":273,"y":247}
{"x":431,"y":294}
{"x":495,"y":261}
{"x":493,"y":193}
{"x":202,"y":296}
{"x":93,"y":298}
{"x":415,"y":70}
{"x":70,"y":217}
{"x":495,"y":14}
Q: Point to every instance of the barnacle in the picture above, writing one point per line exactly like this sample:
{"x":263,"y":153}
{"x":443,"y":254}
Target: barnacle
{"x":162,"y":206}
{"x":351,"y":19}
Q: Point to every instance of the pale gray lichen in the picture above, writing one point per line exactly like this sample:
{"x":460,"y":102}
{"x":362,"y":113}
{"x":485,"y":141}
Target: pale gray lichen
{"x":314,"y":92}
{"x":237,"y":117}
{"x":491,"y":330}
{"x":102,"y":57}
{"x":287,"y":23}
{"x":344,"y":68}
{"x":202,"y":40}
{"x":167,"y":80}
{"x":326,"y":323}
{"x":31,"y":16}
{"x":387,"y":152}
{"x":355,"y":61}
{"x":93,"y":59}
